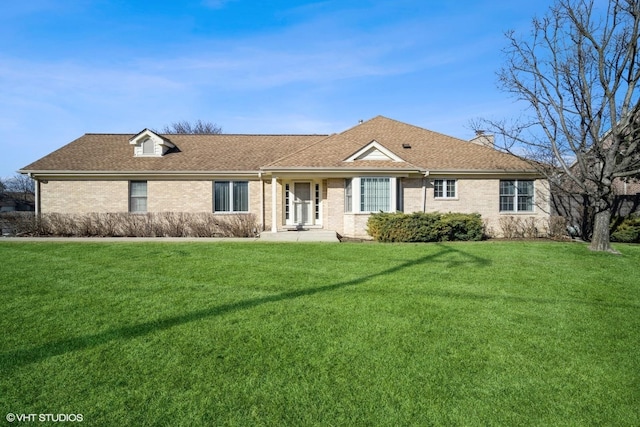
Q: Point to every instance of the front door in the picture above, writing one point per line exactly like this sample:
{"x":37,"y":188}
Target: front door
{"x":302,"y":203}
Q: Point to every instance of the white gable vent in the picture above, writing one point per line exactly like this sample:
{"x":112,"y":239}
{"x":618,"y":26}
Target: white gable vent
{"x":374,"y":151}
{"x":149,"y":144}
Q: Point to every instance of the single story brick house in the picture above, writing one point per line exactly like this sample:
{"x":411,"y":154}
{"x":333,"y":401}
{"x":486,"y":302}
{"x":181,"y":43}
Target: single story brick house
{"x":331,"y":182}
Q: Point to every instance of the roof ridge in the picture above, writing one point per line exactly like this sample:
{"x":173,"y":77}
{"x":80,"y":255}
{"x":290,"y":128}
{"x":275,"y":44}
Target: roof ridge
{"x":420,"y":128}
{"x":211,"y":134}
{"x":248,"y":134}
{"x":300,"y":150}
{"x":110,"y":134}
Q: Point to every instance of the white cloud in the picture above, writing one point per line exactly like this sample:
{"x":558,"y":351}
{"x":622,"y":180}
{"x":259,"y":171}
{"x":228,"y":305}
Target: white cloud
{"x":216,"y":4}
{"x":320,"y":74}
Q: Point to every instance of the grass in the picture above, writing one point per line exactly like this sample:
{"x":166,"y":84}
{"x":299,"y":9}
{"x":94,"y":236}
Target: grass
{"x":487,"y":333}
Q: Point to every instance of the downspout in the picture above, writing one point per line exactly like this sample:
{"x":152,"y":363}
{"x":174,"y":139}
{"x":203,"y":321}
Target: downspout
{"x":36,"y":196}
{"x":424,"y":191}
{"x":261,"y":201}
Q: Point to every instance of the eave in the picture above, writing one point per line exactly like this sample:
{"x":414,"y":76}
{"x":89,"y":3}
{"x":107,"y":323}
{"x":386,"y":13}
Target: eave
{"x":125,"y":175}
{"x":273,"y":172}
{"x":355,"y":171}
{"x":483,"y":172}
{"x":335,"y":172}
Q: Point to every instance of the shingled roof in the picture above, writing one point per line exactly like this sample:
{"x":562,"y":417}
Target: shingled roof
{"x":417,"y":147}
{"x":194,"y":153}
{"x":413,"y":147}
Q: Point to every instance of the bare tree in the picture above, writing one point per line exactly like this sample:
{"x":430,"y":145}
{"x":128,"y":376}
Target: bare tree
{"x":21,"y":184}
{"x":578,"y":73}
{"x":199,"y":127}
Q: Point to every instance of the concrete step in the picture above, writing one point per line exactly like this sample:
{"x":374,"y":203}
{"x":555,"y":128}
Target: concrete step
{"x":300,"y":236}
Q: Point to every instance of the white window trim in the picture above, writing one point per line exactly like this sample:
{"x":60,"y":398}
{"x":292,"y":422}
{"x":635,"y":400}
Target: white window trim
{"x":231,"y":211}
{"x":317,"y":202}
{"x":356,"y":193}
{"x":348,"y":207}
{"x":290,"y":205}
{"x":153,"y":147}
{"x":515,"y":198}
{"x":146,"y":197}
{"x":444,"y":183}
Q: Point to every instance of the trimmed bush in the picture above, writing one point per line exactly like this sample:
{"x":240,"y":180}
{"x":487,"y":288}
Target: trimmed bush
{"x":18,"y":223}
{"x":628,"y":231}
{"x":457,"y":226}
{"x":124,"y":224}
{"x":425,"y":227}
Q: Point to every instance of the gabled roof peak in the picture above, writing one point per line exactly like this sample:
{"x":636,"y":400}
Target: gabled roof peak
{"x":377,"y":144}
{"x":148,"y":143}
{"x":148,"y":133}
{"x":374,"y":151}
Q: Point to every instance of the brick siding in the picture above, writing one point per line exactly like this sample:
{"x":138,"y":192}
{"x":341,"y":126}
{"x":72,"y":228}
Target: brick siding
{"x":84,"y":196}
{"x":473,"y":196}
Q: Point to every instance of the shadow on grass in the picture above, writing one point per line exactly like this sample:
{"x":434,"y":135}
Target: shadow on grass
{"x":9,"y":360}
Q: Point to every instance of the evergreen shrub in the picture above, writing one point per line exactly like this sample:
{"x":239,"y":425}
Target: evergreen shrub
{"x":425,"y":227}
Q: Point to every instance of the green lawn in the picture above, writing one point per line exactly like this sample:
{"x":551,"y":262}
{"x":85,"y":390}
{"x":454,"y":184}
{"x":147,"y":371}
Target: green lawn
{"x":483,"y":333}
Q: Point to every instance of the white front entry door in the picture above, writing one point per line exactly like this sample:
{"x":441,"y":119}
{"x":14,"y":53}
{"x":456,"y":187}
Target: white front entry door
{"x":302,"y":208}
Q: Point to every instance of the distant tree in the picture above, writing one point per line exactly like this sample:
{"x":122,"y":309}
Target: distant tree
{"x":578,"y":72}
{"x":3,"y":187}
{"x":199,"y":127}
{"x":20,"y":184}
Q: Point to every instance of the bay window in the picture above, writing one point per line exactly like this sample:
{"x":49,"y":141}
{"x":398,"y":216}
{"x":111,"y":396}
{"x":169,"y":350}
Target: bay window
{"x":375,"y":194}
{"x":348,"y":195}
{"x":370,"y":194}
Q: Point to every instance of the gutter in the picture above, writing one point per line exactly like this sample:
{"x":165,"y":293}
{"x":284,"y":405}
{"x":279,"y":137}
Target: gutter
{"x":459,"y":172}
{"x":70,"y":174}
{"x":263,"y":172}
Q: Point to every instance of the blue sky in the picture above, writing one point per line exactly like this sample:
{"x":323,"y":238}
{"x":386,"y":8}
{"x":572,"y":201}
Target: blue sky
{"x":117,"y":66}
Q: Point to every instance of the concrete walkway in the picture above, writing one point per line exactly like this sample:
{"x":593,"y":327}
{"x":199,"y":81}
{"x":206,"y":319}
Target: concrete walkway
{"x":281,"y":236}
{"x":300,"y":236}
{"x":128,"y":239}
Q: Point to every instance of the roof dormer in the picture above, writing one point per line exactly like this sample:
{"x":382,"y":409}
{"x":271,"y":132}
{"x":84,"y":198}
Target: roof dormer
{"x":373,"y":151}
{"x":149,"y":144}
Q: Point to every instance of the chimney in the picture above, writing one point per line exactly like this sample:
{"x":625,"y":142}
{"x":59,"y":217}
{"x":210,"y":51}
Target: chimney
{"x":482,"y":138}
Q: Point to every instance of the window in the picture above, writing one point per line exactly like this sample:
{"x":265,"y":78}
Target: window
{"x":148,"y":147}
{"x":444,"y":188}
{"x":516,"y":196}
{"x":375,"y":194}
{"x":138,"y":196}
{"x":317,"y":206}
{"x":348,"y":195}
{"x":286,"y":201}
{"x":231,"y":196}
{"x":367,"y":194}
{"x":399,"y":196}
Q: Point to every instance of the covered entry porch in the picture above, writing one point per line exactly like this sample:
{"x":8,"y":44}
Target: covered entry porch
{"x":297,"y":203}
